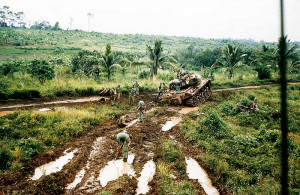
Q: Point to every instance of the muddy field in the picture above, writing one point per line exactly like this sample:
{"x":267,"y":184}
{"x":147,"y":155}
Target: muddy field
{"x":88,"y":164}
{"x":79,"y":167}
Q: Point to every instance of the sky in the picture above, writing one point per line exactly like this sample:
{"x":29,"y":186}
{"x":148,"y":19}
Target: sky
{"x":236,"y":19}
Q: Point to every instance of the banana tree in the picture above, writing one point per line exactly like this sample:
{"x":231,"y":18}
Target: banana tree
{"x":229,"y":60}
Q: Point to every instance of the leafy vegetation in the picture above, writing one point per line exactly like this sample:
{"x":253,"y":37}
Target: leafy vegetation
{"x":25,"y":134}
{"x":241,"y":146}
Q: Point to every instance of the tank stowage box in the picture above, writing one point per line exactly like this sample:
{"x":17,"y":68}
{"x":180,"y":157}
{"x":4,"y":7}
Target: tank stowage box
{"x":189,"y":91}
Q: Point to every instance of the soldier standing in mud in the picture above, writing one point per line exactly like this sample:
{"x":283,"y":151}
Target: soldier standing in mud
{"x":141,"y":107}
{"x":132,"y":94}
{"x":118,"y":90}
{"x":137,"y":87}
{"x":123,"y":140}
{"x":160,"y":91}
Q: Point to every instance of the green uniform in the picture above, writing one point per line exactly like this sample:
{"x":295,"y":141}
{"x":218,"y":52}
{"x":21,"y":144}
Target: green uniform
{"x":137,"y":88}
{"x":141,"y":106}
{"x":118,"y":90}
{"x":177,"y":87}
{"x":124,"y":137}
{"x":164,"y":89}
{"x":112,"y":96}
{"x":131,"y":96}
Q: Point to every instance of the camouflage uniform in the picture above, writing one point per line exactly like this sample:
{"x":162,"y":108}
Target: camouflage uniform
{"x":141,"y":107}
{"x":131,"y":96}
{"x":164,"y":88}
{"x":112,"y":96}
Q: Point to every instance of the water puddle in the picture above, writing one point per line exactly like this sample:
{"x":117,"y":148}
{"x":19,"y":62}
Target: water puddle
{"x":53,"y":166}
{"x":115,"y":169}
{"x":169,"y":124}
{"x":77,"y":179}
{"x":146,"y":176}
{"x":195,"y":171}
{"x":187,"y":110}
{"x":44,"y":109}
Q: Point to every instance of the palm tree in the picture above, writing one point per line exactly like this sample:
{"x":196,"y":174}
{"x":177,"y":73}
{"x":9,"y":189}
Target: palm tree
{"x":109,"y":60}
{"x":229,"y":60}
{"x":155,"y":55}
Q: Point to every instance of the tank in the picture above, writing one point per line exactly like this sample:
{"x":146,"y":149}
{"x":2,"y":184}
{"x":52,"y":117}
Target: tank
{"x":193,"y":91}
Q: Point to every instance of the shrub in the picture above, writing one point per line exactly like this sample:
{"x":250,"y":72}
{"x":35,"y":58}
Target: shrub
{"x":170,"y":151}
{"x":42,"y":70}
{"x":263,"y":72}
{"x":25,"y":94}
{"x":30,"y":146}
{"x":144,"y":74}
{"x":6,"y":157}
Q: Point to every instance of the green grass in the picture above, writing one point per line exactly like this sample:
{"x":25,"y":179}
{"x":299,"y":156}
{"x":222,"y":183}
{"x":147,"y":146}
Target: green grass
{"x":243,"y":147}
{"x":24,"y":134}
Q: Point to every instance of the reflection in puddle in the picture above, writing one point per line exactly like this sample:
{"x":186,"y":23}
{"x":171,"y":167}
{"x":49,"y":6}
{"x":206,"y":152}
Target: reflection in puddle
{"x":77,"y":179}
{"x":172,"y":123}
{"x":187,"y":110}
{"x":53,"y":166}
{"x":115,"y":169}
{"x":146,"y":176}
{"x":194,"y":171}
{"x":44,"y":109}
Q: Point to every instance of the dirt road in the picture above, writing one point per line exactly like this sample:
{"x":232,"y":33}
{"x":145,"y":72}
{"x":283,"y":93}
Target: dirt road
{"x":87,"y":165}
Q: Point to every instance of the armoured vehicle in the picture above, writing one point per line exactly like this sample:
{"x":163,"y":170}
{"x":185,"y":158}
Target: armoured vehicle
{"x":187,"y":89}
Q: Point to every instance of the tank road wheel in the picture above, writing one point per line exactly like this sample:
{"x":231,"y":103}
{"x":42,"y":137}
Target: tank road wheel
{"x":201,"y":98}
{"x":189,"y":102}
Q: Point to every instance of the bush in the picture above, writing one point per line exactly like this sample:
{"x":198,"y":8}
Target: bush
{"x":30,"y":146}
{"x":6,"y":157}
{"x":170,"y":151}
{"x":263,"y":72}
{"x":25,"y":94}
{"x":42,"y":70}
{"x":144,"y":74}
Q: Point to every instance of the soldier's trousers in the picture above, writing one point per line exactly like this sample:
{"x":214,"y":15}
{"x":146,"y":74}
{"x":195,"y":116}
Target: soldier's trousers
{"x":131,"y":100}
{"x":125,"y":148}
{"x":141,"y":115}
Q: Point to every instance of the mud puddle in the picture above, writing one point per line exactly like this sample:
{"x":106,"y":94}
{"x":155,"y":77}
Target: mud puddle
{"x":147,"y":175}
{"x":136,"y":120}
{"x":187,"y":110}
{"x":169,"y":124}
{"x":195,"y":171}
{"x":78,"y":178}
{"x":115,"y":169}
{"x":4,"y":113}
{"x":53,"y":166}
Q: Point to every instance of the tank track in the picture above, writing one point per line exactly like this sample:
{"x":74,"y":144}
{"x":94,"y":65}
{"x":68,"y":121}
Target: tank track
{"x":200,"y":96}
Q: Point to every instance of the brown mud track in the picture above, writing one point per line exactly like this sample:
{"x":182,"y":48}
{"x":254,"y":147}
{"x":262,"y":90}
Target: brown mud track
{"x":69,"y":101}
{"x":94,"y":153}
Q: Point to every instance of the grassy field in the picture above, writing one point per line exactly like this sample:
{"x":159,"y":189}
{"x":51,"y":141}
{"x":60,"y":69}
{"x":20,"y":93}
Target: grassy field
{"x":243,"y":148}
{"x":25,"y":134}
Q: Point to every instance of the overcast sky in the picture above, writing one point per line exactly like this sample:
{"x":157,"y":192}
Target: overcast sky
{"x":236,"y":19}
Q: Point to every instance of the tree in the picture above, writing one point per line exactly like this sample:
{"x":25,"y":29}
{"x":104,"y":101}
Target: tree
{"x":41,"y":70}
{"x":71,"y":23}
{"x":56,"y":26}
{"x":229,"y":60}
{"x":155,"y":55}
{"x":90,"y":16}
{"x":86,"y":62}
{"x":110,"y":60}
{"x":41,"y":25}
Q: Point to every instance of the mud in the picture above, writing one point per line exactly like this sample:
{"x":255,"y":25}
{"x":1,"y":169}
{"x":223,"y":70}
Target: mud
{"x":195,"y":171}
{"x":53,"y":166}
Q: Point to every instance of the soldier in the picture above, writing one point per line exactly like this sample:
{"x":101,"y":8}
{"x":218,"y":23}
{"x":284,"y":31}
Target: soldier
{"x":178,"y":73}
{"x":159,"y":90}
{"x":122,"y":122}
{"x":118,"y":90}
{"x":132,"y":94}
{"x":177,"y":86}
{"x":164,"y":88}
{"x":123,"y":140}
{"x":141,"y":107}
{"x":112,"y":96}
{"x":137,"y":87}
